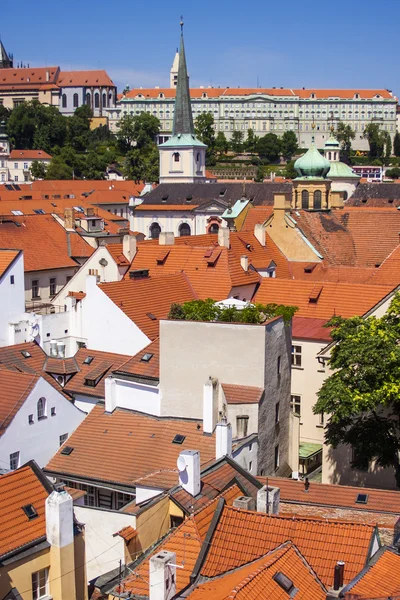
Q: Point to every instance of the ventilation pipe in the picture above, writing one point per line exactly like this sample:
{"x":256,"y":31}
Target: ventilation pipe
{"x":209,"y":406}
{"x":338,"y":576}
{"x":60,"y":349}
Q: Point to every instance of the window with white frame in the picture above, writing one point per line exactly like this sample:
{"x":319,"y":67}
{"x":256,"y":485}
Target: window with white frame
{"x":63,"y":438}
{"x":295,"y":403}
{"x":40,"y":584}
{"x":296,"y":356}
{"x":41,"y":408}
{"x":14,"y":461}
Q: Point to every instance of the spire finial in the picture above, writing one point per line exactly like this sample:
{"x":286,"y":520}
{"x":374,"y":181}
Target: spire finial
{"x":181,"y":24}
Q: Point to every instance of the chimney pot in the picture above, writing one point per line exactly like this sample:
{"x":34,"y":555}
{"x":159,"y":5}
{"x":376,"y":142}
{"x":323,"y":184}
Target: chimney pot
{"x":245,"y":502}
{"x":223,"y":237}
{"x":259,"y":233}
{"x":162,"y":584}
{"x":166,"y":238}
{"x":223,"y":440}
{"x":129,"y":247}
{"x":268,"y":499}
{"x":338,"y":576}
{"x":244,"y":262}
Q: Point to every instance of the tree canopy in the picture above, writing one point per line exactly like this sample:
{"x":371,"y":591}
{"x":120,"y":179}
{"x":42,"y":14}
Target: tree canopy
{"x":269,"y":147}
{"x":378,"y":141}
{"x":289,"y":145}
{"x":345,"y":135}
{"x":204,"y":129}
{"x":362,"y":396}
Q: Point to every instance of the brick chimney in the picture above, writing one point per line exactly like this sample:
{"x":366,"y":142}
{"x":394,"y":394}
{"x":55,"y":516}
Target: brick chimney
{"x":69,"y":219}
{"x":223,"y":237}
{"x":166,"y":238}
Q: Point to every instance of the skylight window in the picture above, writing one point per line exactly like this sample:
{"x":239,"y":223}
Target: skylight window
{"x":179,"y":439}
{"x":67,"y":450}
{"x":26,"y":354}
{"x":39,"y":211}
{"x":30,"y":511}
{"x":79,"y":209}
{"x":147,"y":357}
{"x":284,"y":582}
{"x":151,"y":316}
{"x":88,"y":360}
{"x":17,"y":213}
{"x":362,"y":498}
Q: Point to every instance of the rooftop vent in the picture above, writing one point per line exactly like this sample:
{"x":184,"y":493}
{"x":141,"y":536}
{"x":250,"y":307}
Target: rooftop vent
{"x":147,"y":357}
{"x":139,"y":274}
{"x":151,"y":316}
{"x":362,"y":498}
{"x":26,"y":354}
{"x":67,"y":450}
{"x":284,"y":581}
{"x":179,"y":439}
{"x":88,"y":360}
{"x":30,"y":511}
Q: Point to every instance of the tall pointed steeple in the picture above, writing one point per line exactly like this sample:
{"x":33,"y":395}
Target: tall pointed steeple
{"x":6,"y":61}
{"x":183,"y":118}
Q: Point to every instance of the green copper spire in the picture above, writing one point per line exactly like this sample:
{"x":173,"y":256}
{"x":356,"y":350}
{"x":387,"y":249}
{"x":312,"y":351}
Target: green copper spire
{"x":183,"y":118}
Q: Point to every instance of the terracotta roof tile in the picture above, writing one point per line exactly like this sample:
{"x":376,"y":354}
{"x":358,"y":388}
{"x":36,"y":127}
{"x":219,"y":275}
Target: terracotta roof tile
{"x":344,"y":299}
{"x":128,"y":533}
{"x":389,"y":271}
{"x":29,"y":155}
{"x":242,"y":394}
{"x":7,"y":257}
{"x":17,"y":489}
{"x":15,"y":388}
{"x":150,"y":367}
{"x":256,"y":215}
{"x":242,"y":536}
{"x":380,"y":580}
{"x":310,"y":329}
{"x":33,"y":77}
{"x":128,"y":446}
{"x":336,"y":273}
{"x":117,"y":254}
{"x":217,"y":92}
{"x":84,"y":78}
{"x":343,"y":93}
{"x":159,"y":292}
{"x":166,"y":207}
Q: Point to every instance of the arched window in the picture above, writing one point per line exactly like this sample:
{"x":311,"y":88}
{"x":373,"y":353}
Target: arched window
{"x":304,"y":199}
{"x":214,"y":228}
{"x":317,"y":199}
{"x":41,"y":408}
{"x":64,"y":100}
{"x":88,"y":100}
{"x":184,"y":229}
{"x":198,"y":157}
{"x":155,"y":231}
{"x":76,"y":100}
{"x":176,"y":156}
{"x":104,"y":100}
{"x":110,"y":98}
{"x":96,"y":100}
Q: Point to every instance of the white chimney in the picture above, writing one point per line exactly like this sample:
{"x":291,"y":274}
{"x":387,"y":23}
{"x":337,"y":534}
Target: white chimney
{"x":59,"y":519}
{"x":129,"y":247}
{"x":259,"y":233}
{"x":223,"y":237}
{"x":209,"y":407}
{"x":110,"y":394}
{"x":189,"y":471}
{"x":223,"y":440}
{"x":53,"y":348}
{"x":244,"y":262}
{"x":60,"y":349}
{"x":268,"y":500}
{"x":166,"y":238}
{"x":162,"y":570}
{"x":47,"y":75}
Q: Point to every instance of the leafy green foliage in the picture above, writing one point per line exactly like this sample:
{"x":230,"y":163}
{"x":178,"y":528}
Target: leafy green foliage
{"x":38,"y":170}
{"x":140,"y":130}
{"x":393,"y":173}
{"x":377,"y":140}
{"x":237,"y":141}
{"x":251,"y":141}
{"x":269,"y":147}
{"x":221,"y":144}
{"x":396,"y":144}
{"x":142,"y":165}
{"x":345,"y":135}
{"x":362,"y":396}
{"x":4,"y":113}
{"x":204,"y":129}
{"x":289,"y":144}
{"x":290,"y":172}
{"x":209,"y":310}
{"x":34,"y":125}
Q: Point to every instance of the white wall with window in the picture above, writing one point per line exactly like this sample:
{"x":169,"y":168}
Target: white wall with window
{"x":12,"y":302}
{"x":35,"y":431}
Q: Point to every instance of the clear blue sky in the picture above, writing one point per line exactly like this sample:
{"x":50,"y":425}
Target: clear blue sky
{"x":310,"y":43}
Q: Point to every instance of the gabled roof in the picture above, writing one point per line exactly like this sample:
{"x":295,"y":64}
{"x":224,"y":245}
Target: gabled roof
{"x":124,"y":446}
{"x":17,"y":489}
{"x":15,"y":388}
{"x":375,"y":194}
{"x":84,"y":78}
{"x":322,"y":543}
{"x":308,"y":328}
{"x":29,"y":155}
{"x":29,"y":78}
{"x":117,"y":254}
{"x":7,"y":257}
{"x":242,"y":394}
{"x":36,"y":235}
{"x":380,"y":580}
{"x":60,"y":366}
{"x":145,"y":363}
{"x":146,"y":301}
{"x":322,"y":300}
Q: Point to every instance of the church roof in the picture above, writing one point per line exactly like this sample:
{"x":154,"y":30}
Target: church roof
{"x":312,"y":163}
{"x":340,"y":169}
{"x":5,"y":60}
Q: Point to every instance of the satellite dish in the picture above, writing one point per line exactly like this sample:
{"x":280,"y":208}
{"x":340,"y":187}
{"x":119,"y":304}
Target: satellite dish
{"x":103,"y":262}
{"x":181,"y":463}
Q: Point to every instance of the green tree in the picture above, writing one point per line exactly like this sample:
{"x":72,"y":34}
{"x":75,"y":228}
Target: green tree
{"x":251,"y":141}
{"x":140,"y":130}
{"x":34,"y":125}
{"x":289,"y":145}
{"x":396,"y":144}
{"x":290,"y":172}
{"x":376,"y":140}
{"x":4,"y":113}
{"x":259,"y":177}
{"x":204,"y":129}
{"x":362,"y":396}
{"x":38,"y":170}
{"x":79,"y":133}
{"x":345,"y":135}
{"x":58,"y":169}
{"x":126,"y":132}
{"x":237,"y":141}
{"x":142,"y":165}
{"x":221,"y":143}
{"x":388,"y":147}
{"x":393,"y":173}
{"x":269,"y":147}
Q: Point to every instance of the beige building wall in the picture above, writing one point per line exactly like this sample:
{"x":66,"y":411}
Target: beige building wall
{"x":43,"y":277}
{"x":189,"y":168}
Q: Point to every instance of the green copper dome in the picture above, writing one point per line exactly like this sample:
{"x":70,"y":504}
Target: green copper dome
{"x":312,"y":163}
{"x":332,"y":143}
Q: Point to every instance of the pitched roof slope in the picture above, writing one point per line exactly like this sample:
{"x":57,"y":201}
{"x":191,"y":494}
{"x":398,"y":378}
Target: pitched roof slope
{"x":45,"y":243}
{"x":17,"y":489}
{"x":310,"y":329}
{"x":242,"y":536}
{"x":29,"y":155}
{"x":256,"y":580}
{"x":389,"y":271}
{"x":322,"y":300}
{"x":242,"y":394}
{"x":15,"y":388}
{"x":124,"y":446}
{"x":84,"y":78}
{"x":141,"y":365}
{"x":379,"y":580}
{"x":7,"y":257}
{"x":146,"y":301}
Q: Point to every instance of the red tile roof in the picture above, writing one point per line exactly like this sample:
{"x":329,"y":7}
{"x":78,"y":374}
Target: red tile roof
{"x":256,"y":215}
{"x":242,"y":536}
{"x":389,"y":271}
{"x":29,"y":155}
{"x":17,"y":489}
{"x":7,"y":257}
{"x":217,"y":92}
{"x":242,"y":394}
{"x":343,"y":94}
{"x":322,"y":300}
{"x":306,"y":328}
{"x":117,"y":254}
{"x":29,"y":78}
{"x":159,"y":293}
{"x":149,"y":368}
{"x":128,"y":446}
{"x":36,"y":235}
{"x":15,"y":388}
{"x":380,"y":580}
{"x":84,"y":78}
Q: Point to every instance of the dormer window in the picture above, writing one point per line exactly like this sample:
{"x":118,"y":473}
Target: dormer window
{"x":312,"y":96}
{"x":161,"y":96}
{"x":356,"y":96}
{"x":204,"y":95}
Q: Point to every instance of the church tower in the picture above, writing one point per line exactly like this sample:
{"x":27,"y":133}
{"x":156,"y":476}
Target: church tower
{"x":6,"y":60}
{"x":173,"y":74}
{"x":182,"y":157}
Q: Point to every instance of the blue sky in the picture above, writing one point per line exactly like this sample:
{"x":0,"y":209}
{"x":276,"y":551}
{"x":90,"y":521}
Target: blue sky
{"x":310,"y":43}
